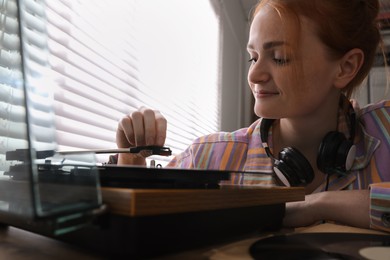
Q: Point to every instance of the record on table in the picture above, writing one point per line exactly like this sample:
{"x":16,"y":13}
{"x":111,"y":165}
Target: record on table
{"x":322,"y":246}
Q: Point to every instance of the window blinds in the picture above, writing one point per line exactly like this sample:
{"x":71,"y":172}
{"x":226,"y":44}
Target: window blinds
{"x":95,"y":85}
{"x":99,"y":57}
{"x":179,"y":61}
{"x":37,"y":83}
{"x":12,"y":112}
{"x":19,"y":68}
{"x":106,"y":59}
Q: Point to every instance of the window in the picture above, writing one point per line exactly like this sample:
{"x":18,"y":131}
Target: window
{"x":109,"y":57}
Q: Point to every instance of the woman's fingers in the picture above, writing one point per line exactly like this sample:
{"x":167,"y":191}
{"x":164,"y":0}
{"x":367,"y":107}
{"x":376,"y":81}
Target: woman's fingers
{"x":149,"y":127}
{"x":138,"y":130}
{"x":125,"y":133}
{"x":161,"y":128}
{"x":142,"y":127}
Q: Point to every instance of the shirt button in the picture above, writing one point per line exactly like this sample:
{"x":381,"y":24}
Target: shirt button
{"x":386,"y":219}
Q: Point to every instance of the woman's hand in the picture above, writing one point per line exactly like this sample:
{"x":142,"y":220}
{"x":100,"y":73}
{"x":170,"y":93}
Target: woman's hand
{"x":142,"y":127}
{"x":301,"y":213}
{"x":349,"y":207}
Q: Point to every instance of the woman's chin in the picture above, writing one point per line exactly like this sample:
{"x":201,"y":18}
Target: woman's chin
{"x":266,"y":113}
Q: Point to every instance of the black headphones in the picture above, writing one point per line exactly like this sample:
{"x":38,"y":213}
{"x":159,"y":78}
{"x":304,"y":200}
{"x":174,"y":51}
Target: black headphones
{"x":335,"y":154}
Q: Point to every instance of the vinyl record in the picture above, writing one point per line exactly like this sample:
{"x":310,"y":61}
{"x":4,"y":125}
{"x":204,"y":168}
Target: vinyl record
{"x":320,"y":246}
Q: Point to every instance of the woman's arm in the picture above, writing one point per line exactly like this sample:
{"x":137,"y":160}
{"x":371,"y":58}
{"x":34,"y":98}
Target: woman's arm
{"x":349,"y":207}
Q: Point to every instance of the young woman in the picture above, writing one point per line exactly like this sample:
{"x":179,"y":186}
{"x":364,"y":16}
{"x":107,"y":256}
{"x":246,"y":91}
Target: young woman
{"x":307,"y":58}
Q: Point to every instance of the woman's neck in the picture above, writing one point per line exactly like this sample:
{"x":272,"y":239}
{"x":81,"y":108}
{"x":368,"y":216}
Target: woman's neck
{"x":306,"y":134}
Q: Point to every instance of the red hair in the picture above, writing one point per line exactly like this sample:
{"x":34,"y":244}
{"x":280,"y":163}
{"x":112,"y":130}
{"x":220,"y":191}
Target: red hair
{"x":342,"y":25}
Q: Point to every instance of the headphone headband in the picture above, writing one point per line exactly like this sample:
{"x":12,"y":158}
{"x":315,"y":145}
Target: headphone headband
{"x":347,"y":108}
{"x":264,"y":128}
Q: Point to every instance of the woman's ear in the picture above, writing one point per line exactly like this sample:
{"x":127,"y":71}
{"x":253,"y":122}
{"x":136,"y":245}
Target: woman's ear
{"x":349,"y":66}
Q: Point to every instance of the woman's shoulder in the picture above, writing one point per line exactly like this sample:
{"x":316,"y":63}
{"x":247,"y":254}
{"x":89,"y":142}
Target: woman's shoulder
{"x":374,"y":108}
{"x":375,"y":118}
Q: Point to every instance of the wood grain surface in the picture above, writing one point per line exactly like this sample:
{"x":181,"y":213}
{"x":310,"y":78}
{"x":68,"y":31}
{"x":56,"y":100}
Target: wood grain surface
{"x":147,"y":202}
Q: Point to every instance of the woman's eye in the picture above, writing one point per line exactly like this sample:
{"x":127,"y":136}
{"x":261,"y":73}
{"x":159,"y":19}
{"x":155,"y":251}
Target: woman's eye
{"x":252,"y":60}
{"x":281,"y":61}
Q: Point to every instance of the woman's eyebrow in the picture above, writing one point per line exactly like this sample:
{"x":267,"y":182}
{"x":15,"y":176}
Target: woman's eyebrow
{"x":268,"y":45}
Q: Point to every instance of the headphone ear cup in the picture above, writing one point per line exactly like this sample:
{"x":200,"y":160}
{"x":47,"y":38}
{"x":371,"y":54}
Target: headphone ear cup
{"x":292,"y":168}
{"x":285,"y":174}
{"x":345,"y":156}
{"x":328,"y":150}
{"x":335,"y":154}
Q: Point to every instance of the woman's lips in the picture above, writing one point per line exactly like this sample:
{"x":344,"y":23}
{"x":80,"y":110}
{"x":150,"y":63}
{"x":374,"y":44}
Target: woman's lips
{"x":264,"y":93}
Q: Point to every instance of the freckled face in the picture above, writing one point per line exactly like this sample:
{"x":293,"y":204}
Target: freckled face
{"x":273,"y":59}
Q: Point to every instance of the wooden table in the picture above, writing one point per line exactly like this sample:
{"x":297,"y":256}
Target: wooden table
{"x":240,"y":249}
{"x":126,"y":205}
{"x":18,"y":244}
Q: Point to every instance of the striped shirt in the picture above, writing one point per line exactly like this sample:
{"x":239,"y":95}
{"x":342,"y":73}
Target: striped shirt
{"x":242,"y":150}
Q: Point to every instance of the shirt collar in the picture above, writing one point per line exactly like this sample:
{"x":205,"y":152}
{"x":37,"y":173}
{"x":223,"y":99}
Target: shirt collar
{"x":365,"y":143}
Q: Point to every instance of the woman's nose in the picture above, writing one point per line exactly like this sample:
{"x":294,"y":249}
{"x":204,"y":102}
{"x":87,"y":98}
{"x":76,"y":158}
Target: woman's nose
{"x":258,"y":73}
